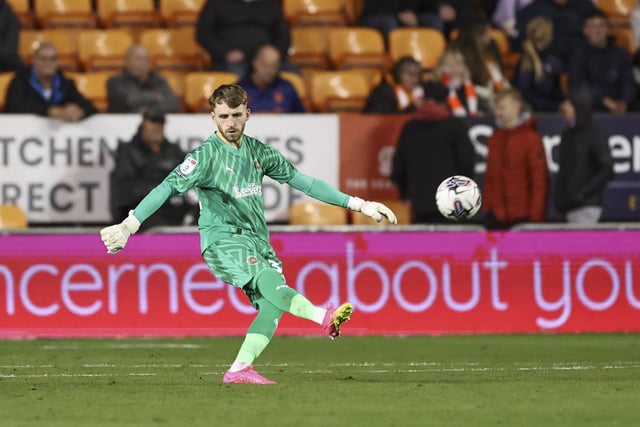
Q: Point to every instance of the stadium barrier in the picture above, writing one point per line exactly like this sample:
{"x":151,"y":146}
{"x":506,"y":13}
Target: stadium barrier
{"x":402,"y":280}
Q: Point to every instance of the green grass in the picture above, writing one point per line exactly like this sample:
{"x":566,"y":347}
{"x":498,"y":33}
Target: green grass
{"x":507,"y":380}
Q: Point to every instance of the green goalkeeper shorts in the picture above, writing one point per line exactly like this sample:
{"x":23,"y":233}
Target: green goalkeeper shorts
{"x":237,"y":259}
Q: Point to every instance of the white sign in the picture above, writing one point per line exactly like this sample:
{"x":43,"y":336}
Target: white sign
{"x":59,"y":172}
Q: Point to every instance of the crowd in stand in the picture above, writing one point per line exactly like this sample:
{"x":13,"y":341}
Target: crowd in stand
{"x":554,"y":49}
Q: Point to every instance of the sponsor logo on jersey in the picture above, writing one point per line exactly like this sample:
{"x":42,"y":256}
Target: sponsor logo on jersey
{"x":248,"y":191}
{"x":187,"y":167}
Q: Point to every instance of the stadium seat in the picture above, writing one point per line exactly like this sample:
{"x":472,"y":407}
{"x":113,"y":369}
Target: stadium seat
{"x":618,"y":11}
{"x":174,"y":49}
{"x":176,"y":81}
{"x":314,"y":12}
{"x":65,"y":13}
{"x":64,"y":40}
{"x":200,"y":85}
{"x":357,"y":47}
{"x":103,"y":49}
{"x":510,"y":59}
{"x":12,"y":218}
{"x":314,"y":213}
{"x":309,"y":48}
{"x":299,"y":84}
{"x":338,"y":91}
{"x":401,"y":209}
{"x":177,"y":13}
{"x":426,"y":45}
{"x":93,"y":85}
{"x":5,"y":79}
{"x":353,"y":8}
{"x":624,"y":38}
{"x":128,"y":13}
{"x":23,"y":11}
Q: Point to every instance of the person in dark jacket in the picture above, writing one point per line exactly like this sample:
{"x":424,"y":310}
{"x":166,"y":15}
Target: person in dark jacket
{"x":432,"y":146}
{"x":140,"y":165}
{"x":233,"y":30}
{"x":584,"y":161}
{"x":401,"y":91}
{"x":138,"y":88}
{"x":605,"y":67}
{"x":9,"y":33}
{"x":43,"y":90}
{"x":516,"y":181}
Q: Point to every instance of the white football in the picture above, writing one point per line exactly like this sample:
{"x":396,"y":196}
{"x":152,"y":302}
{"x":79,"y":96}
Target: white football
{"x":458,"y":198}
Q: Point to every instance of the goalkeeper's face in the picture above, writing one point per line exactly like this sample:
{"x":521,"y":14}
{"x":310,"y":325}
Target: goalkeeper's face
{"x":230,"y":121}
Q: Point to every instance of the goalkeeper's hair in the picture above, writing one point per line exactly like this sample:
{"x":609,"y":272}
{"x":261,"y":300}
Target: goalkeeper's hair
{"x":232,"y":95}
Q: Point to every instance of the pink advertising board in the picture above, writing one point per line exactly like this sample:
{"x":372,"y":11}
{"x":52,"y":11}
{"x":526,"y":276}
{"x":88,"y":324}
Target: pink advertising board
{"x":399,"y":282}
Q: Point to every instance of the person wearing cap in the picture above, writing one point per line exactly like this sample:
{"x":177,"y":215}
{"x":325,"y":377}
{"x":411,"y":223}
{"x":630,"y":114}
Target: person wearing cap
{"x":138,"y":88}
{"x":432,"y":146}
{"x":140,"y":165}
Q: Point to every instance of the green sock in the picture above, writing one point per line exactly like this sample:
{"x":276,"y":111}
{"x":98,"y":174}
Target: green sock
{"x":251,"y":348}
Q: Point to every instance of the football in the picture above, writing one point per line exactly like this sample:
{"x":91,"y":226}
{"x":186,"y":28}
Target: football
{"x":458,"y":198}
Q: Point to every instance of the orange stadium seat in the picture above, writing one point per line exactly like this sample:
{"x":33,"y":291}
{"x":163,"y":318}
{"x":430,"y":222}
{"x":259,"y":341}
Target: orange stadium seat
{"x":93,"y":85}
{"x":174,"y":49}
{"x":400,"y":208}
{"x":5,"y":79}
{"x":339,"y":91}
{"x":180,"y":12}
{"x":510,"y":59}
{"x":176,"y":81}
{"x":128,"y":13}
{"x":357,"y":47}
{"x":314,"y":213}
{"x":353,"y":8}
{"x":624,"y":38}
{"x":23,"y":11}
{"x":200,"y":85}
{"x":314,"y":12}
{"x":300,"y":86}
{"x":103,"y":49}
{"x":618,"y":11}
{"x":65,"y":13}
{"x":426,"y":45}
{"x":309,"y":47}
{"x":63,"y":39}
{"x":12,"y":218}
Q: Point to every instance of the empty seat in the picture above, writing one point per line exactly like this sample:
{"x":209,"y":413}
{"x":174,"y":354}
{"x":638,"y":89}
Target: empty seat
{"x":425,"y":45}
{"x":177,"y":13}
{"x":12,"y":218}
{"x":128,"y":13}
{"x":314,"y":12}
{"x":300,"y":86}
{"x":93,"y":85}
{"x":65,"y":13}
{"x":338,"y":91}
{"x":619,"y":11}
{"x":174,"y":49}
{"x":23,"y":11}
{"x":400,"y":208}
{"x":357,"y":47}
{"x":63,"y":39}
{"x":5,"y":79}
{"x":103,"y":49}
{"x":309,"y":47}
{"x":176,"y":81}
{"x":200,"y":85}
{"x":353,"y":8}
{"x":315,"y":213}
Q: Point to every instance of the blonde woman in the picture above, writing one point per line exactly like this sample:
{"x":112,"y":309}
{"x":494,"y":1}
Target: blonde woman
{"x":539,"y":72}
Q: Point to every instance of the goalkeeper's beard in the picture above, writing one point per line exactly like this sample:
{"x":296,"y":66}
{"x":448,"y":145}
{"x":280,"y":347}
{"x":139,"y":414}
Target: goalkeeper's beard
{"x":234,"y":137}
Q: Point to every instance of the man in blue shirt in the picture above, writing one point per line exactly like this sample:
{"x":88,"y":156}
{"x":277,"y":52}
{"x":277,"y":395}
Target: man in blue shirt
{"x":268,"y":92}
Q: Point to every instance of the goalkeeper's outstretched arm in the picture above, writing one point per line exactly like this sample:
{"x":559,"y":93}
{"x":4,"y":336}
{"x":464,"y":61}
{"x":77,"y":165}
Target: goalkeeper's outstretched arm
{"x":324,"y":192}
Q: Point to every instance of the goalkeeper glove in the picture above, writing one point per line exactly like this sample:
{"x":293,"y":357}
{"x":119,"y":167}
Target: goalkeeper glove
{"x":115,"y":236}
{"x":374,"y":210}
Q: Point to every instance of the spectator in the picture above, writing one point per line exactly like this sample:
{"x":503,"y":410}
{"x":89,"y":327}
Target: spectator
{"x":42,"y":89}
{"x":417,"y":171}
{"x":539,"y":72}
{"x":584,"y":161}
{"x":140,"y":165}
{"x":483,"y":58}
{"x":516,"y":181}
{"x":9,"y":33}
{"x":233,"y":30}
{"x":267,"y":91}
{"x":401,"y":91}
{"x":602,"y":65}
{"x":453,"y":73}
{"x":138,"y":88}
{"x":567,"y":17}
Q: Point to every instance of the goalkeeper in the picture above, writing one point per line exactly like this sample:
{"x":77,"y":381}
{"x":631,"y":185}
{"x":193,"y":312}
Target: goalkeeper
{"x":226,"y":171}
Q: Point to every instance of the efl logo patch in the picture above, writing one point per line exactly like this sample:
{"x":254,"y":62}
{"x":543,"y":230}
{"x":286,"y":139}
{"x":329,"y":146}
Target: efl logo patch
{"x":188,"y":165}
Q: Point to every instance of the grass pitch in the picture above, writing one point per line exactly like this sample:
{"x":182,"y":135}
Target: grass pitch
{"x":508,"y":380}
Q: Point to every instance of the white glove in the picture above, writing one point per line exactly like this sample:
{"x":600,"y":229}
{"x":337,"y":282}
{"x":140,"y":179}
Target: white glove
{"x":374,"y":210}
{"x":116,"y":236}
